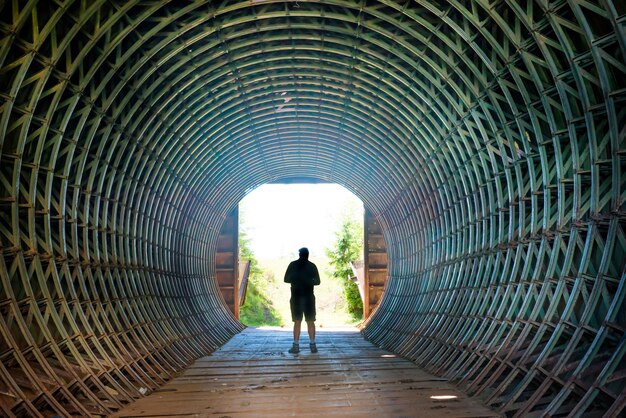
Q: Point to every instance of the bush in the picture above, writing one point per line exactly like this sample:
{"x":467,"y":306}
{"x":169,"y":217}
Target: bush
{"x":353,"y":298}
{"x":258,"y":309}
{"x":347,"y":248}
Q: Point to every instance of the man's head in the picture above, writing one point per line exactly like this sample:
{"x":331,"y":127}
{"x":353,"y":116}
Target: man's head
{"x":303,"y":252}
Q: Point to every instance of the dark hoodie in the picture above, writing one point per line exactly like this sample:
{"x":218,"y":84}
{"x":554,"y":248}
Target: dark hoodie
{"x":302,"y":274}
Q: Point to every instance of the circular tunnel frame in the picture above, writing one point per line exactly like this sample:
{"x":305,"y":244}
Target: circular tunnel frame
{"x":487,"y":137}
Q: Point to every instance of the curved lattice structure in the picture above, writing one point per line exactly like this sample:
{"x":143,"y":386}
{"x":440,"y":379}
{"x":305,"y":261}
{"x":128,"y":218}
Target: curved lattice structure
{"x":487,"y":136}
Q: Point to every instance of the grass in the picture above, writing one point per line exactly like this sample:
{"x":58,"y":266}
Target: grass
{"x":258,"y":309}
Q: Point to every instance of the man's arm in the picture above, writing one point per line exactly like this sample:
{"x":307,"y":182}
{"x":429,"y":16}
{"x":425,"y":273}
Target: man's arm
{"x":288,"y":273}
{"x":316,"y":276}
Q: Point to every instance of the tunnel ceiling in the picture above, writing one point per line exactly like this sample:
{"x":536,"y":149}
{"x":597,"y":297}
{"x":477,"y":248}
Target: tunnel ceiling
{"x":487,"y":137}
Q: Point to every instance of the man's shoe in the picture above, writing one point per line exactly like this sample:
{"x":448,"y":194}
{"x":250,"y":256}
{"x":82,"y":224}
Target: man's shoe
{"x":295,"y":349}
{"x":313,"y":348}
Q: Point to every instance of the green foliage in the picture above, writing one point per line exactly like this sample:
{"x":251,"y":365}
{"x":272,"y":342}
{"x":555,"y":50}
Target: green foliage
{"x":258,"y":308}
{"x":245,"y":253}
{"x":348,"y":247}
{"x":353,"y":298}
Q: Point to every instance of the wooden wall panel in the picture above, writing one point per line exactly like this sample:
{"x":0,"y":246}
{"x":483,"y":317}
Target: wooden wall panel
{"x":227,"y":261}
{"x":375,"y":263}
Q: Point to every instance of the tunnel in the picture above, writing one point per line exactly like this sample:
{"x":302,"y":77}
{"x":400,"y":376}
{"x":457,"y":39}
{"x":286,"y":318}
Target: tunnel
{"x":487,"y":137}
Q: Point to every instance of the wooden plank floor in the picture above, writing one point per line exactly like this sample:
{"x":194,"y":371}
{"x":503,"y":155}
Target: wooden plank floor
{"x":253,"y":375}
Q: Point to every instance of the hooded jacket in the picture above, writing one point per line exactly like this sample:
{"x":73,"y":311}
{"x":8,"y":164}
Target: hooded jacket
{"x":302,"y":274}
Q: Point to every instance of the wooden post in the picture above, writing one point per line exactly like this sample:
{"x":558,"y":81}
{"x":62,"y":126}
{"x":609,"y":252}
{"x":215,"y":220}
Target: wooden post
{"x":375,"y":263}
{"x":227,"y":261}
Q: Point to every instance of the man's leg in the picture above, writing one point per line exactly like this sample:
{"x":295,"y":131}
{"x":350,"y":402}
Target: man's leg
{"x":311,"y":328}
{"x":296,"y":331}
{"x":309,"y":316}
{"x":295,"y":347}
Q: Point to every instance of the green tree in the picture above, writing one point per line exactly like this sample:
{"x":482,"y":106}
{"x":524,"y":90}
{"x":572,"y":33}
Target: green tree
{"x":258,"y":308}
{"x":348,"y":247}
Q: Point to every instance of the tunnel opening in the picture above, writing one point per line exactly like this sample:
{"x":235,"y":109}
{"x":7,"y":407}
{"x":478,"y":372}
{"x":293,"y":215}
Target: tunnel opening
{"x":273,"y":221}
{"x":486,"y":137}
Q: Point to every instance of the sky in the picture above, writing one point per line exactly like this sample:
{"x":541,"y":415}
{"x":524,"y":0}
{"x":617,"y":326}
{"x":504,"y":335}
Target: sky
{"x":278,"y":219}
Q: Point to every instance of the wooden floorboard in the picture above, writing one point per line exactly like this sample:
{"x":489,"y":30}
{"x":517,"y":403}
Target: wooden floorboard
{"x":253,"y":375}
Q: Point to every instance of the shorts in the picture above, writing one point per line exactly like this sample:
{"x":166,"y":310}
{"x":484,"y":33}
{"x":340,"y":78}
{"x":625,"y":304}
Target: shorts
{"x":302,"y":303}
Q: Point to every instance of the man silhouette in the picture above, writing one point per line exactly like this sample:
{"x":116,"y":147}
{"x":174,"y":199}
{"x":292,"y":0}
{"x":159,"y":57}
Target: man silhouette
{"x":302,"y":275}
